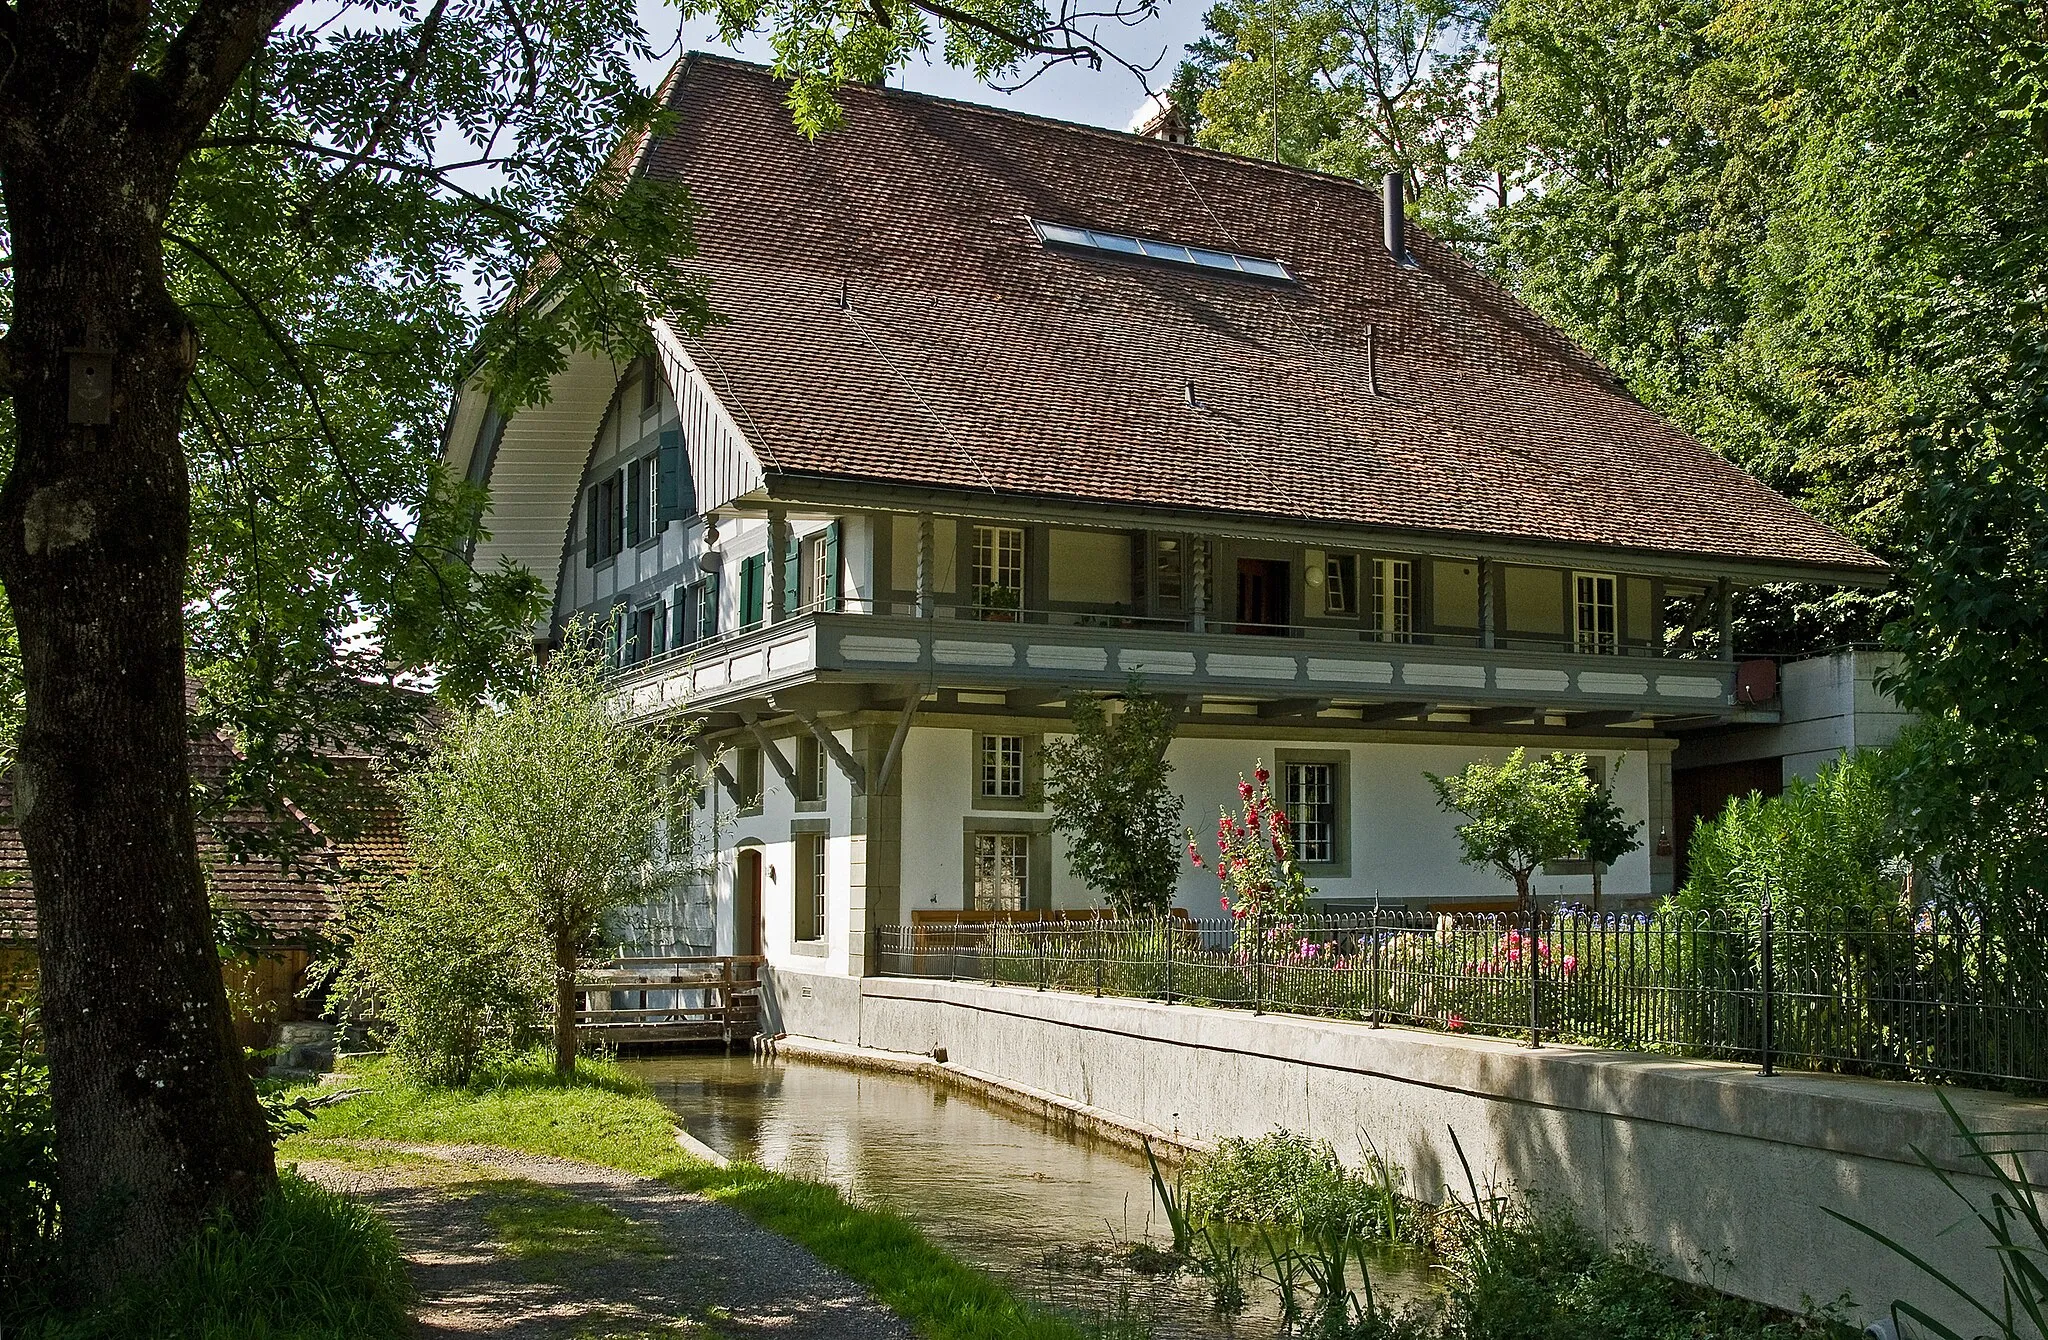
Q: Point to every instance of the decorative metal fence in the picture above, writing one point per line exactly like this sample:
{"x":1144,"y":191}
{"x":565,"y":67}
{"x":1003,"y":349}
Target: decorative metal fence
{"x":1941,"y":999}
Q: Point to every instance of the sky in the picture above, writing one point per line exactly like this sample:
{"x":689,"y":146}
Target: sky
{"x":1105,"y":97}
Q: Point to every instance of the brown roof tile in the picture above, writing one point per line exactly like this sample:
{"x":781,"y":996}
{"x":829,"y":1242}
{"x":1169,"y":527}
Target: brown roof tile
{"x":976,"y":359}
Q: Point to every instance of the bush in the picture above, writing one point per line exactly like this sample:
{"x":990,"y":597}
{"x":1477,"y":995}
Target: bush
{"x":1286,"y":1178}
{"x":313,"y":1266}
{"x":28,"y":1156}
{"x":1827,"y":851}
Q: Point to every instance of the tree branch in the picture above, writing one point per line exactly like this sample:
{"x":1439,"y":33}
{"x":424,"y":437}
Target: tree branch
{"x":1037,"y":47}
{"x":430,"y":27}
{"x":207,"y":56}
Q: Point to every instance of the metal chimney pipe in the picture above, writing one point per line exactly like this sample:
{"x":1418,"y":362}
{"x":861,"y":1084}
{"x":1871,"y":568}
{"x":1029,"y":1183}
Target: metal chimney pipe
{"x":1393,"y":187}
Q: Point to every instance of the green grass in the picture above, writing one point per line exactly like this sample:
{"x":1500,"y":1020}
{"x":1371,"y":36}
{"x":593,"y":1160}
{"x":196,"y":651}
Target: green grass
{"x":553,"y":1229}
{"x":315,"y":1266}
{"x":605,"y":1117}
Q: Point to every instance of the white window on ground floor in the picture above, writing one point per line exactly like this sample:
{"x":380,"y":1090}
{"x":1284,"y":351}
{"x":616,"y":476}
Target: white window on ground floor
{"x":1312,"y":811}
{"x":1001,"y":871}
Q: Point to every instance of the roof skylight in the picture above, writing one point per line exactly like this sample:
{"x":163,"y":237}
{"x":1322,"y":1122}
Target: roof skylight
{"x":1152,"y":249}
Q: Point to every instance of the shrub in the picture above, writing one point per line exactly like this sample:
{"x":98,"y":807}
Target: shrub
{"x":1827,"y":851}
{"x":28,"y":1156}
{"x":1286,"y":1178}
{"x":1523,"y":813}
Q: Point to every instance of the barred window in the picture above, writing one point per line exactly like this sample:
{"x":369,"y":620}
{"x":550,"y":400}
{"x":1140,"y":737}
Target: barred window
{"x":1001,"y":871}
{"x":1312,"y":810}
{"x":1002,"y":766}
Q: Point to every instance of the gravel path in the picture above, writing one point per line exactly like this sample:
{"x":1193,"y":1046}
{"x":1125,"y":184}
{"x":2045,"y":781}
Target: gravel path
{"x":701,"y":1270}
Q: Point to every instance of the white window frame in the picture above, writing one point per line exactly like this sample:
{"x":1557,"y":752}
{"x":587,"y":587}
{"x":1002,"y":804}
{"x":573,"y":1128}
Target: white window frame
{"x":1393,"y":599}
{"x":1588,"y":637}
{"x":1315,"y":840}
{"x":1000,"y":771}
{"x":998,"y":565}
{"x":1002,"y":868}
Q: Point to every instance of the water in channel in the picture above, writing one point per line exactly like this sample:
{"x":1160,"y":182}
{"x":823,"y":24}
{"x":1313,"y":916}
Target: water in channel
{"x":1050,"y":1213}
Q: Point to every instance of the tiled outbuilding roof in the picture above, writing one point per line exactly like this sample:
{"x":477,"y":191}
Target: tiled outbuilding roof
{"x":969,"y":356}
{"x":288,"y":905}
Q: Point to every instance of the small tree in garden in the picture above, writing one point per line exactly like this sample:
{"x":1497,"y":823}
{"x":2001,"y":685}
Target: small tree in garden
{"x":1520,"y":814}
{"x":1264,"y":889}
{"x":1605,"y":835}
{"x":1106,"y":787}
{"x":529,"y":824}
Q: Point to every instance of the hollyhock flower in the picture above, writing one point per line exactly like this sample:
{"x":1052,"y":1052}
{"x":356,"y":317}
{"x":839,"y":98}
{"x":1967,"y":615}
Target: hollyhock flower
{"x":1262,"y":775}
{"x":1244,"y":790}
{"x":1456,"y":1023}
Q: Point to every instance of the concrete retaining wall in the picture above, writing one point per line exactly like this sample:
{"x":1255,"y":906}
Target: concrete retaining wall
{"x":1723,"y":1172}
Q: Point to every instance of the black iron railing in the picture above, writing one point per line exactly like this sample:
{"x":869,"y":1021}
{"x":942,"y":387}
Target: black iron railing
{"x":1940,"y":998}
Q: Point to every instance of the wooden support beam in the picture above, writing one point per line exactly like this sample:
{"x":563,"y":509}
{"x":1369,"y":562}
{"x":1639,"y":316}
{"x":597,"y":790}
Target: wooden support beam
{"x":848,"y":765}
{"x":1394,"y":711}
{"x":1612,"y":716}
{"x":896,"y":743}
{"x":1293,"y":709}
{"x":783,"y":767}
{"x":723,"y":776}
{"x":1023,"y":700}
{"x":1495,"y":716}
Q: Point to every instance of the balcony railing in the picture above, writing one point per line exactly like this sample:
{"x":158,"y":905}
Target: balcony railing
{"x":964,"y":645}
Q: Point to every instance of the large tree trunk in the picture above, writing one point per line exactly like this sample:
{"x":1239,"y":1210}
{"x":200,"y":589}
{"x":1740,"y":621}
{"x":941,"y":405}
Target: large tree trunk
{"x":565,"y":1006}
{"x":157,"y":1121}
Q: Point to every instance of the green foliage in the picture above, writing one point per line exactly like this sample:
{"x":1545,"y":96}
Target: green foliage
{"x":1826,"y":851}
{"x":1106,"y":786}
{"x":313,"y":1265}
{"x":528,"y":823}
{"x":1287,"y":1178}
{"x":1754,"y":211}
{"x":28,"y":1156}
{"x":1605,"y":834}
{"x":1519,"y":814}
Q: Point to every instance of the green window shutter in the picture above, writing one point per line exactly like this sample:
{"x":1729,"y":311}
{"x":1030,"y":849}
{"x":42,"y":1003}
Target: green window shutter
{"x":707,"y":610}
{"x":792,"y":576}
{"x":672,"y":493}
{"x":593,"y":529}
{"x":615,"y":506}
{"x":679,"y":617}
{"x":753,"y":578}
{"x":636,"y":500}
{"x":828,"y":580}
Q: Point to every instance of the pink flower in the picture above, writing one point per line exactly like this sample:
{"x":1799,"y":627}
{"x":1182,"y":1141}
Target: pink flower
{"x":1456,"y":1023}
{"x":1571,"y":964}
{"x":1226,"y":902}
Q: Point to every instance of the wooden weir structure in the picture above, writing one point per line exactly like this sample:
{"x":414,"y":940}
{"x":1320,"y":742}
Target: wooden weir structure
{"x":709,"y":998}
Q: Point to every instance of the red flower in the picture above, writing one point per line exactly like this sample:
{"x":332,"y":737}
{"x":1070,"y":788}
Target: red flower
{"x":1456,"y":1023}
{"x":1244,"y":789}
{"x":1262,"y":775}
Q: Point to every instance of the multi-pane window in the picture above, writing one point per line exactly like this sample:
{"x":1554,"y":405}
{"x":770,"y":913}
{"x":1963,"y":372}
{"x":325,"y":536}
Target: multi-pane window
{"x":1002,"y":766}
{"x":1393,"y":599}
{"x":815,"y":577}
{"x":998,"y":570}
{"x":649,"y":630}
{"x":1168,"y":566}
{"x":810,"y":886}
{"x":1597,"y":630}
{"x":1002,"y":867}
{"x":1340,"y":584}
{"x":1312,"y":810}
{"x":747,"y":769}
{"x":810,"y":768}
{"x":704,"y":596}
{"x":607,"y":517}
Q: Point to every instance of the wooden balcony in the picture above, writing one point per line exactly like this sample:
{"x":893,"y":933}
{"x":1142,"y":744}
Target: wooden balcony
{"x":1279,"y":672}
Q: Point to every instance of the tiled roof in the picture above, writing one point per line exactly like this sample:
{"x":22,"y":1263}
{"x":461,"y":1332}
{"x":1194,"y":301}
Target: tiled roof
{"x":290,"y":905}
{"x":971,"y":357}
